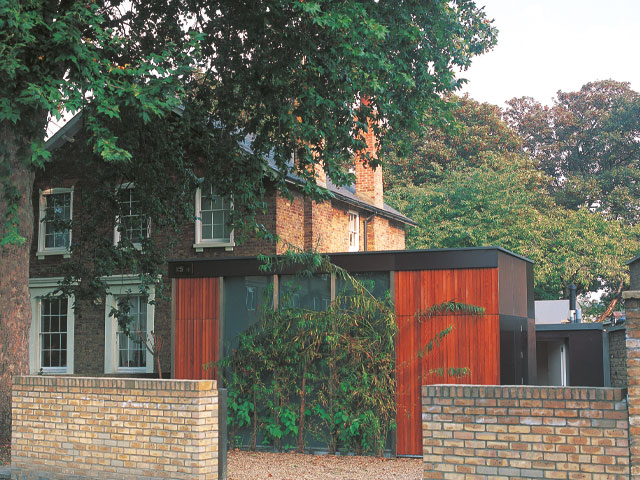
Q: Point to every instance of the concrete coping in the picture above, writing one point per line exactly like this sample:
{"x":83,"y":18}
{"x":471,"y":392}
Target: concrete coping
{"x":631,"y":295}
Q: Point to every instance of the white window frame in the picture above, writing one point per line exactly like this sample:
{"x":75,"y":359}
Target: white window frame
{"x":39,"y":288}
{"x":201,"y":244}
{"x":119,"y":286}
{"x":354,"y":246}
{"x":116,"y":232}
{"x":43,"y":251}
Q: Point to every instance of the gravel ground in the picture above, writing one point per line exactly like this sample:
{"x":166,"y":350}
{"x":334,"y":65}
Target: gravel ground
{"x":293,"y":466}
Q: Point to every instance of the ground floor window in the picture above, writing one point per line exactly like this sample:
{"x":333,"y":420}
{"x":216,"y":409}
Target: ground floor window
{"x":131,"y":346}
{"x":52,"y":328}
{"x":125,"y":349}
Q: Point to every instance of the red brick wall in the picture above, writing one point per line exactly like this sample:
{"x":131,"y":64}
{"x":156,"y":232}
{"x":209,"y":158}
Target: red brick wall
{"x":301,"y":222}
{"x":324,"y":226}
{"x":476,"y":432}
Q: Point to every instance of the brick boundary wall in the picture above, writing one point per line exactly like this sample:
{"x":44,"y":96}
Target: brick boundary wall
{"x":113,"y":428}
{"x":632,"y":309}
{"x":506,"y":432}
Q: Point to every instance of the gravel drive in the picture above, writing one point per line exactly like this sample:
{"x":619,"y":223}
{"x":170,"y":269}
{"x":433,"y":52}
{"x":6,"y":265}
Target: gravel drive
{"x":293,"y":466}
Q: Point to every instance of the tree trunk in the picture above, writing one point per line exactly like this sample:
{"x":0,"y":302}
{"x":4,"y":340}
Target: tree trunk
{"x":15,"y":305}
{"x":612,"y":304}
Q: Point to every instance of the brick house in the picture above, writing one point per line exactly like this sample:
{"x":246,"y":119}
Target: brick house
{"x":90,"y":342}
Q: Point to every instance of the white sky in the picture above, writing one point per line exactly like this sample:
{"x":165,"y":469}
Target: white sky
{"x":550,"y":45}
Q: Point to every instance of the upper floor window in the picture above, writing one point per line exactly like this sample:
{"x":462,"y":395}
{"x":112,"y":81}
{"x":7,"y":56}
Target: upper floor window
{"x":213,"y":220}
{"x":354,"y":232}
{"x":130,"y":223}
{"x":56,"y":211}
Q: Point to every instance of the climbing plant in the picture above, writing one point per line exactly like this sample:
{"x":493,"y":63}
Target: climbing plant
{"x":299,"y":374}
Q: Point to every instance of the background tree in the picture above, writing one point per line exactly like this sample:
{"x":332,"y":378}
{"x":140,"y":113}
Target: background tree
{"x":589,"y":143}
{"x":499,"y":197}
{"x":289,"y":75}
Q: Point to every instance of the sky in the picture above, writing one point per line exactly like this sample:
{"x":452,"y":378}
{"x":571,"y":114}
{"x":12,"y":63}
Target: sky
{"x":550,"y":45}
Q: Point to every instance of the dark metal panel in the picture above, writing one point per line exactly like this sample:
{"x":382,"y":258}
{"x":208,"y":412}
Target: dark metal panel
{"x":585,"y":354}
{"x":517,"y":352}
{"x":514,"y":286}
{"x":532,"y":377}
{"x":531,"y":303}
{"x":400,"y":260}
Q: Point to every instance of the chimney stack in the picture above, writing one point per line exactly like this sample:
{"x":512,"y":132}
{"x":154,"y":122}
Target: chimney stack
{"x":369,"y":180}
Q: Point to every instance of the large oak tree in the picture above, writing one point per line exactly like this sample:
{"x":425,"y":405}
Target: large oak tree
{"x":289,"y":74}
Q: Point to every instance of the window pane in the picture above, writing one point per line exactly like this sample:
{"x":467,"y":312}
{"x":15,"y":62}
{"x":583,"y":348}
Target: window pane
{"x":57,"y":211}
{"x":214,"y":216}
{"x":244,"y":297}
{"x":131,"y":349}
{"x":132,"y":225}
{"x":313,"y":293}
{"x":53,"y":332}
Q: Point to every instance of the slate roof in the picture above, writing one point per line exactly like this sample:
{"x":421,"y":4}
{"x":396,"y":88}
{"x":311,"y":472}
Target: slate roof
{"x":345,"y":193}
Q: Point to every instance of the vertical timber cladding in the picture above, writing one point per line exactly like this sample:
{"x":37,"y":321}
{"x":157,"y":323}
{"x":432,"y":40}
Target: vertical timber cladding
{"x":473,"y":342}
{"x":196,"y":332}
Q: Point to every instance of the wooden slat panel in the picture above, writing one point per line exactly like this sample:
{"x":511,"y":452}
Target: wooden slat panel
{"x":196,"y":316}
{"x":473,"y":343}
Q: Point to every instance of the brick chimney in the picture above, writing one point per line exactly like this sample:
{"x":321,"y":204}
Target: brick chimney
{"x":321,"y":175}
{"x":369,"y":180}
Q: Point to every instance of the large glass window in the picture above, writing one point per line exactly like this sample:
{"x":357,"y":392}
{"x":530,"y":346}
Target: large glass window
{"x":244,"y":299}
{"x":312,"y":293}
{"x":53,"y":333}
{"x":131,"y":349}
{"x":378,"y":283}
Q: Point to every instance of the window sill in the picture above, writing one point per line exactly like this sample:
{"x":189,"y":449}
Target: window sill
{"x":130,"y":370}
{"x":53,"y":371}
{"x":228,"y":246}
{"x":40,"y":254}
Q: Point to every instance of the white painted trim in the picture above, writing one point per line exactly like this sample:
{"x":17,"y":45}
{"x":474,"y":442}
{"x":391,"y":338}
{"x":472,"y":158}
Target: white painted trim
{"x":38,"y":288}
{"x":356,"y":247}
{"x":200,"y":244}
{"x":42,"y":251}
{"x":118,"y":286}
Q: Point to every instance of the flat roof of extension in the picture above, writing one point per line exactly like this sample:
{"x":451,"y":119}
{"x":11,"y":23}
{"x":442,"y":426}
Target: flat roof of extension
{"x":376,"y":261}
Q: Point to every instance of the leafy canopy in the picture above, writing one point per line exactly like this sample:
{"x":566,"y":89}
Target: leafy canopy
{"x":498,"y":196}
{"x":589,"y":143}
{"x":292,"y":75}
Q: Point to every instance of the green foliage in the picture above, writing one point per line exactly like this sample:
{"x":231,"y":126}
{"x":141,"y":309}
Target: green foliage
{"x":449,"y":307}
{"x":330,"y":373}
{"x":502,"y":199}
{"x":589,"y":143}
{"x":170,"y":90}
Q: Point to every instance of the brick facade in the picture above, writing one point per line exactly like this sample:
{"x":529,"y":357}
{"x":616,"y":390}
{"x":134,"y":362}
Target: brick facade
{"x":299,"y":222}
{"x":478,"y":432}
{"x":114,"y":428}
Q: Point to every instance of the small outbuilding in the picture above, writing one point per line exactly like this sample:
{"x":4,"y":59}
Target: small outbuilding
{"x":216,"y":299}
